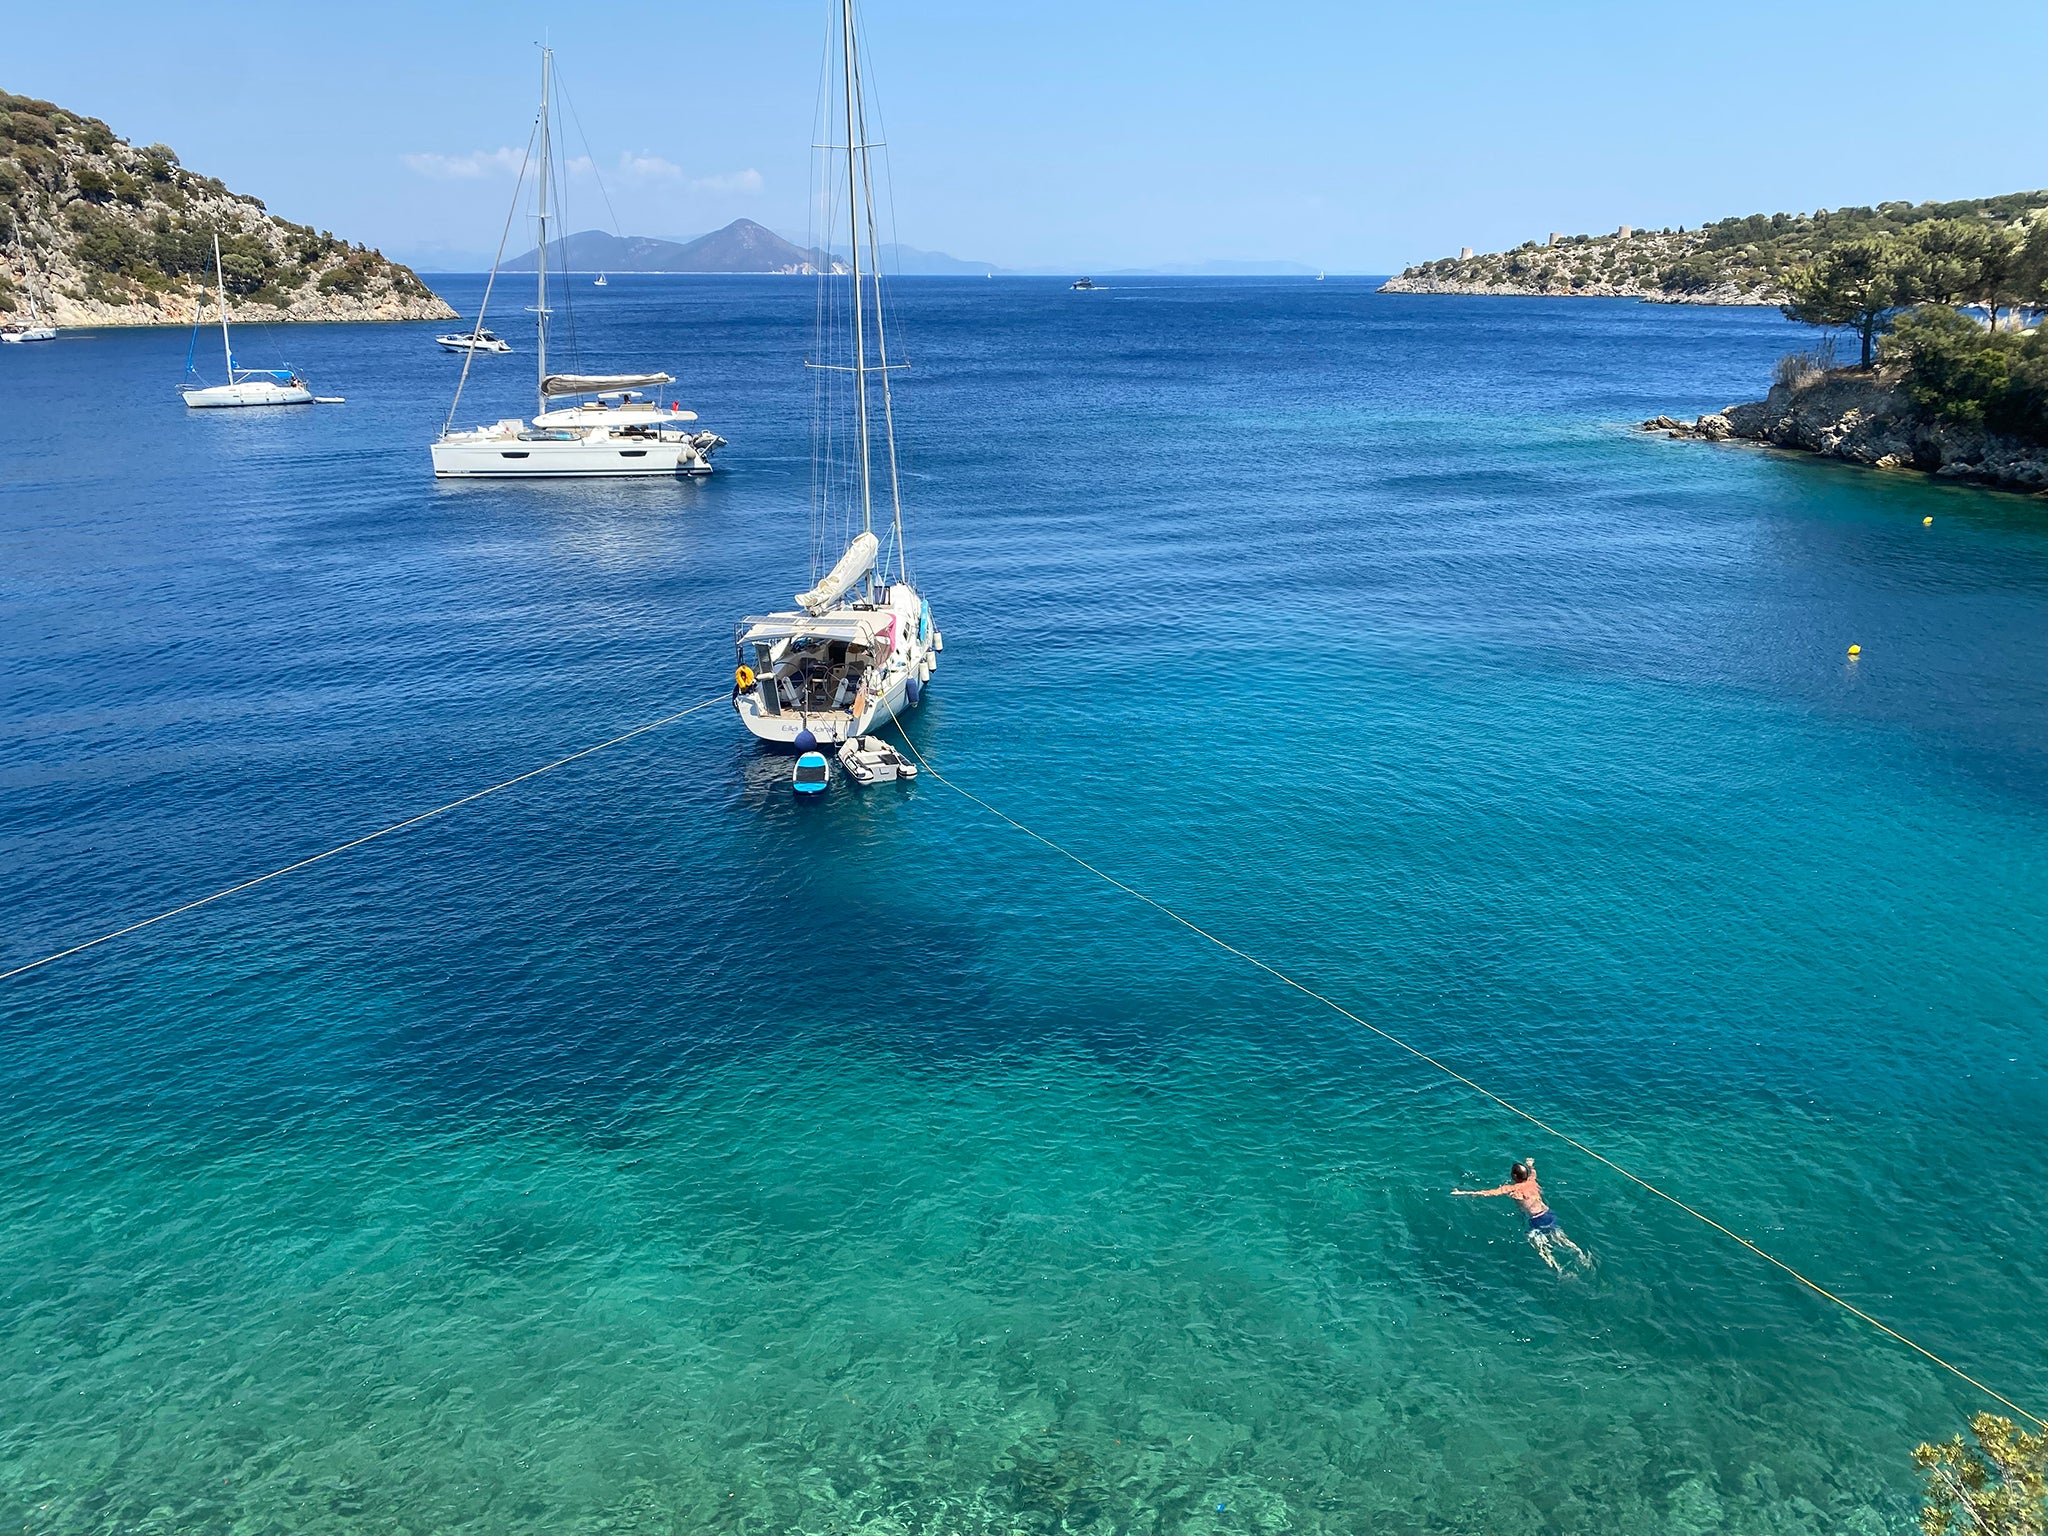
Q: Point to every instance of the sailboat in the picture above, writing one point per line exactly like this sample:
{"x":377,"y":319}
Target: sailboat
{"x":34,"y":330}
{"x":859,"y":646}
{"x":245,"y":386}
{"x":608,"y":424}
{"x":602,"y":281}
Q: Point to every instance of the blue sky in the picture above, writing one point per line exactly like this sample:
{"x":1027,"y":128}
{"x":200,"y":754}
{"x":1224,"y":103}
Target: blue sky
{"x":1355,"y":137}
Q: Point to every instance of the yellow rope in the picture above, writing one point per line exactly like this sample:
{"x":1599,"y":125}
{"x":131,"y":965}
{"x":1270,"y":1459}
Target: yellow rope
{"x":1456,"y":1075}
{"x":368,"y":837}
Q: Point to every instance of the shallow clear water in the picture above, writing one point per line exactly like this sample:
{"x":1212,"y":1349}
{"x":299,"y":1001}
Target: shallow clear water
{"x":638,"y":1150}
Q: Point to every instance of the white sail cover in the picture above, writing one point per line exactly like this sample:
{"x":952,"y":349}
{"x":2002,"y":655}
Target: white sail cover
{"x":599,"y":383}
{"x":858,"y":560}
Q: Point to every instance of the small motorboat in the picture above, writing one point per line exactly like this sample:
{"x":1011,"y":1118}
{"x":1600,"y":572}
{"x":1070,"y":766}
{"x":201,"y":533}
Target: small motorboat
{"x":871,"y":760}
{"x":474,"y":341}
{"x":812,"y":774}
{"x":1083,"y":283}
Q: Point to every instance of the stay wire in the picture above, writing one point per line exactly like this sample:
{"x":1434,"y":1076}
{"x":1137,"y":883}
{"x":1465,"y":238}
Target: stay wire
{"x":368,"y":837}
{"x":1453,"y":1073}
{"x":484,"y":304}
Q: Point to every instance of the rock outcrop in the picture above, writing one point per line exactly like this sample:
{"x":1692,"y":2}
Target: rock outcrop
{"x":100,"y":232}
{"x":1867,"y":418}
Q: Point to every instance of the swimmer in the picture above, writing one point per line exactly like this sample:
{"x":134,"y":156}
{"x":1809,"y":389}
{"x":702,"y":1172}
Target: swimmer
{"x":1544,"y":1232}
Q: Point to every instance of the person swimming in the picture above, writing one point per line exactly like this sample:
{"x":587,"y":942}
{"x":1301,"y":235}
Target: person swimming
{"x":1544,"y":1232}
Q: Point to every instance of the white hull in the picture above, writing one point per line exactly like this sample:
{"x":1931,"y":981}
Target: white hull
{"x":30,"y":333}
{"x":464,"y":344}
{"x":470,"y":456}
{"x":249,"y":392}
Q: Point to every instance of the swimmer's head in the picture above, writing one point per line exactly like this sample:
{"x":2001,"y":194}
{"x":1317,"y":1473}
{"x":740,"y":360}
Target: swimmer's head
{"x":1522,"y":1172}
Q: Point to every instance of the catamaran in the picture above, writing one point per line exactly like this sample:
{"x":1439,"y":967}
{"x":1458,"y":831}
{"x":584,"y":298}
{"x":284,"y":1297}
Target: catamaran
{"x":608,"y":425}
{"x":245,"y":386}
{"x":859,"y":647}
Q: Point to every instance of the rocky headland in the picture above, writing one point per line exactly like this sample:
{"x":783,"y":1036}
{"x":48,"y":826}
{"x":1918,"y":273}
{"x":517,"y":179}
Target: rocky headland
{"x":1868,"y":418}
{"x":1750,"y":260}
{"x":100,"y":232}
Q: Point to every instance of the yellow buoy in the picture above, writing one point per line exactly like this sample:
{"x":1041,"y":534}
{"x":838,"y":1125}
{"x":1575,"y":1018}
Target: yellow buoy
{"x":1926,"y":522}
{"x":1855,"y":650}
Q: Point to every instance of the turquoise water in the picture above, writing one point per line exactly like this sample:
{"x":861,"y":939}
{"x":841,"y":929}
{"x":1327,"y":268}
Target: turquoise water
{"x":639,"y":1151}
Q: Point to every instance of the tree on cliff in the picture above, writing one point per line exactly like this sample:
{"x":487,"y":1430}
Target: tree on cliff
{"x":1997,"y":1487}
{"x":1858,"y":283}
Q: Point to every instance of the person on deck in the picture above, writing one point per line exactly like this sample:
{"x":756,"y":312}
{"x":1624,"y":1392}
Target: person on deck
{"x":1544,"y":1232}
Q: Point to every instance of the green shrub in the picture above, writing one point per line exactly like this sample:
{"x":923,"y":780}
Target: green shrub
{"x":348,"y":279}
{"x":93,"y":182}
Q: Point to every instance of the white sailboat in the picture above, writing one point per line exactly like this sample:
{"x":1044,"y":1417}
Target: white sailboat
{"x":245,"y":386}
{"x":607,"y":424}
{"x":34,"y":330}
{"x":859,"y":647}
{"x":602,"y":281}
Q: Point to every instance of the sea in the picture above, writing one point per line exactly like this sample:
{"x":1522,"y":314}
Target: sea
{"x":637,"y":1149}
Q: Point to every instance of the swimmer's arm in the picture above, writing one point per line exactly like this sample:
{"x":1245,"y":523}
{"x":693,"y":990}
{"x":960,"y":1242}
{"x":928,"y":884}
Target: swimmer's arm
{"x":1500,"y":1190}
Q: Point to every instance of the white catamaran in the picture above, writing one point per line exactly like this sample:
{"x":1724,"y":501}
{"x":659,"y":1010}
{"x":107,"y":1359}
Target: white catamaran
{"x":858,"y":648}
{"x":245,"y":386}
{"x":607,"y":424}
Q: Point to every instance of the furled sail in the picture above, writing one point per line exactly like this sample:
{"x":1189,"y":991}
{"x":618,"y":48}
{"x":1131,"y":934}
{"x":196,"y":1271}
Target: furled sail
{"x":599,"y":383}
{"x":858,"y":560}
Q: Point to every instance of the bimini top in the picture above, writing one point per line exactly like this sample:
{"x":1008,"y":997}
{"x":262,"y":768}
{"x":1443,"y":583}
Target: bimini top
{"x":593,"y":383}
{"x":859,"y":628}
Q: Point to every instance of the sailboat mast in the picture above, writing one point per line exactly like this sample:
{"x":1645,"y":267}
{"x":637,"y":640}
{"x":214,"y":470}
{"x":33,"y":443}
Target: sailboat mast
{"x":540,"y":311}
{"x":220,"y":278}
{"x":860,"y":345}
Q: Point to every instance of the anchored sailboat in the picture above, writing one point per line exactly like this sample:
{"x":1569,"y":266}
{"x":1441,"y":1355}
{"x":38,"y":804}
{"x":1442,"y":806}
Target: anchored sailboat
{"x":608,"y":426}
{"x":245,"y":386}
{"x":858,"y":648}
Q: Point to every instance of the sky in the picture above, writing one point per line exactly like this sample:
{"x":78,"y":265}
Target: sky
{"x":1356,"y":137}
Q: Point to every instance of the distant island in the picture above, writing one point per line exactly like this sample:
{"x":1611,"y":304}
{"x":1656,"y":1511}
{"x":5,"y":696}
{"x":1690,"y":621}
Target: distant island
{"x":1751,"y":260}
{"x":741,"y":247}
{"x":103,"y":233}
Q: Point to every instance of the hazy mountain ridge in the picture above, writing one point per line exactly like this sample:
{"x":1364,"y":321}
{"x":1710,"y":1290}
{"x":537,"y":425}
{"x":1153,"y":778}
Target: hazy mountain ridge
{"x":741,"y":247}
{"x":100,"y":232}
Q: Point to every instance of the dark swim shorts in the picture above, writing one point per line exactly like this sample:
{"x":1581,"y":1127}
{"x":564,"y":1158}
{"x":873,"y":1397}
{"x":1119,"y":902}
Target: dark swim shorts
{"x":1543,"y":1221}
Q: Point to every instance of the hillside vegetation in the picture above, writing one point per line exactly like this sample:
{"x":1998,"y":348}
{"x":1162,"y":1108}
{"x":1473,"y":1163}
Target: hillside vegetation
{"x":1750,"y":260}
{"x":104,"y":233}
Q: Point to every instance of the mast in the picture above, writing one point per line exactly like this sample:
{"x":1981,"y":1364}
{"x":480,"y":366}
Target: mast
{"x":860,"y":346}
{"x":882,"y":351}
{"x":540,"y":311}
{"x":220,"y":278}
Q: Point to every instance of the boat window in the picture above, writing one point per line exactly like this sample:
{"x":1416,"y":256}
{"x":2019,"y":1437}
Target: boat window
{"x":811,"y":775}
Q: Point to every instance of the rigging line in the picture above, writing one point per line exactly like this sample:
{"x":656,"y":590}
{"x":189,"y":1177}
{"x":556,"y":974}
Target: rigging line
{"x":469,"y":354}
{"x":589,"y":154}
{"x":881,"y":331}
{"x":368,"y":837}
{"x":1453,"y":1073}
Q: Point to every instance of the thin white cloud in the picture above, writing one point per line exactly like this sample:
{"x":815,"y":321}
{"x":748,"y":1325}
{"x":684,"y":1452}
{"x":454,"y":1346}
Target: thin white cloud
{"x":470,"y":167}
{"x":647,"y":167}
{"x":747,"y":181}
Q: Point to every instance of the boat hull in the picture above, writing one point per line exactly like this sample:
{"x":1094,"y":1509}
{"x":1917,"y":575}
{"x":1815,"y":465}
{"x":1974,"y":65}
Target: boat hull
{"x":219,"y":396}
{"x":581,"y":458}
{"x":30,"y":333}
{"x":835,"y":726}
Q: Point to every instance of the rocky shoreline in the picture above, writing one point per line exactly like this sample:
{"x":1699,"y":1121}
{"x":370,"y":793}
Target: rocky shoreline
{"x":1867,"y":418}
{"x":1724,"y":294}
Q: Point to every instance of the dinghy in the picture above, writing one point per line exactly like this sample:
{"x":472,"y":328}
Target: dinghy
{"x":871,"y":760}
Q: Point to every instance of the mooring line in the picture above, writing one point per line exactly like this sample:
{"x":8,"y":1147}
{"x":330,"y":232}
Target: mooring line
{"x":368,"y":837}
{"x":1453,"y":1073}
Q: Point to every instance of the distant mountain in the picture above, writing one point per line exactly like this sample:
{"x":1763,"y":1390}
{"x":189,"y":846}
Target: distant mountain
{"x":742,"y":246}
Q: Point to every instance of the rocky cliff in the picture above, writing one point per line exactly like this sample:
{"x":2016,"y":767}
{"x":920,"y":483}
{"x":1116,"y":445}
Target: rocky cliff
{"x":100,"y":232}
{"x":1866,"y":418}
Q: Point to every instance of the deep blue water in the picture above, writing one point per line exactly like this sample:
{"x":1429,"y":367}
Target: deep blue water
{"x":636,"y":1150}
